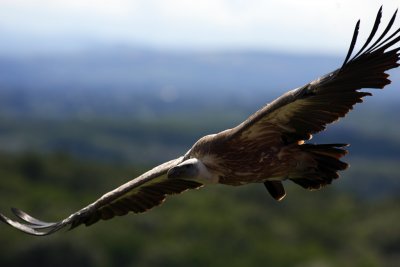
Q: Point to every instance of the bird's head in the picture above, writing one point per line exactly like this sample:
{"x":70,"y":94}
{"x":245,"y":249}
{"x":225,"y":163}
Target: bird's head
{"x":191,"y":169}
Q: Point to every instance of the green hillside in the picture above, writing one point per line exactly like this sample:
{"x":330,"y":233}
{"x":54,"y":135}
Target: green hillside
{"x":218,"y":226}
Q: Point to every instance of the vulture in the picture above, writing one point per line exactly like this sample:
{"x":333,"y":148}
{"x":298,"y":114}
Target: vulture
{"x":267,"y":148}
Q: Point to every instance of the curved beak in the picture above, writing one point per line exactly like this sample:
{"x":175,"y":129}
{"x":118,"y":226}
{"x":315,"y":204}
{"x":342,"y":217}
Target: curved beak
{"x":185,"y":170}
{"x":174,"y":173}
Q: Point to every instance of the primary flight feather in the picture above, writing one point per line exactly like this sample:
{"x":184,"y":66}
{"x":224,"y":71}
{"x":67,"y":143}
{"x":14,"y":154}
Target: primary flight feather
{"x":269,"y":147}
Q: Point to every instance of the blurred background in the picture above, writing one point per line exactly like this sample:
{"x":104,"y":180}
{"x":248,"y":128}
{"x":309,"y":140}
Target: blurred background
{"x":93,"y":93}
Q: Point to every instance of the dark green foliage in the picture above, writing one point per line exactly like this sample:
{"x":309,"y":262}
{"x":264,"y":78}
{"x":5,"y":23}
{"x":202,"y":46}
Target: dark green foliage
{"x":219,"y":226}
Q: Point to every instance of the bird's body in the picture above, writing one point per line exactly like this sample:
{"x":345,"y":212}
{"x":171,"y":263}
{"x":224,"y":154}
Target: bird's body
{"x":269,"y":147}
{"x":264,"y":161}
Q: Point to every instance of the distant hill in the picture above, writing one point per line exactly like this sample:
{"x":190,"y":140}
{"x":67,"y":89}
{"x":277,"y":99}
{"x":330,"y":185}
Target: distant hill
{"x":122,"y":81}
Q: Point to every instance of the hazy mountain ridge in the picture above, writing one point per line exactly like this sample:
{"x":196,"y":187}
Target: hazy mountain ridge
{"x":131,"y":69}
{"x":131,"y":82}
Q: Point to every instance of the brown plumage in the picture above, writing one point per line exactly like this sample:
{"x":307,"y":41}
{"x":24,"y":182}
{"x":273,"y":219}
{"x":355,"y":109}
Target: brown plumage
{"x":269,"y":147}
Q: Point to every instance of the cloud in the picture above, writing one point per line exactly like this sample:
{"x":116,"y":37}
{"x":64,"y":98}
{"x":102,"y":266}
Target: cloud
{"x":203,"y":24}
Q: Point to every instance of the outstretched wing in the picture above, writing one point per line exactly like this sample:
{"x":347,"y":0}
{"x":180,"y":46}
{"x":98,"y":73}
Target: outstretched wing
{"x":299,"y":113}
{"x":138,"y":195}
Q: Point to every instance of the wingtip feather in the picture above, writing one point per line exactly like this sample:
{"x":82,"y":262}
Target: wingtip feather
{"x":353,"y":43}
{"x":33,"y":222}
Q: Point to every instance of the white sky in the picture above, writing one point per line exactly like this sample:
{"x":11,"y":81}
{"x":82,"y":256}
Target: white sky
{"x":316,"y":26}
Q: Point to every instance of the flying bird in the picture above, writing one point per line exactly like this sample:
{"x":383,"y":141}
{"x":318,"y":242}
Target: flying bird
{"x":268,"y":148}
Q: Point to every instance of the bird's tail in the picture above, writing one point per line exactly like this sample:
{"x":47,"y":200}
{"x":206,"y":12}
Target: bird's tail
{"x":325,"y":162}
